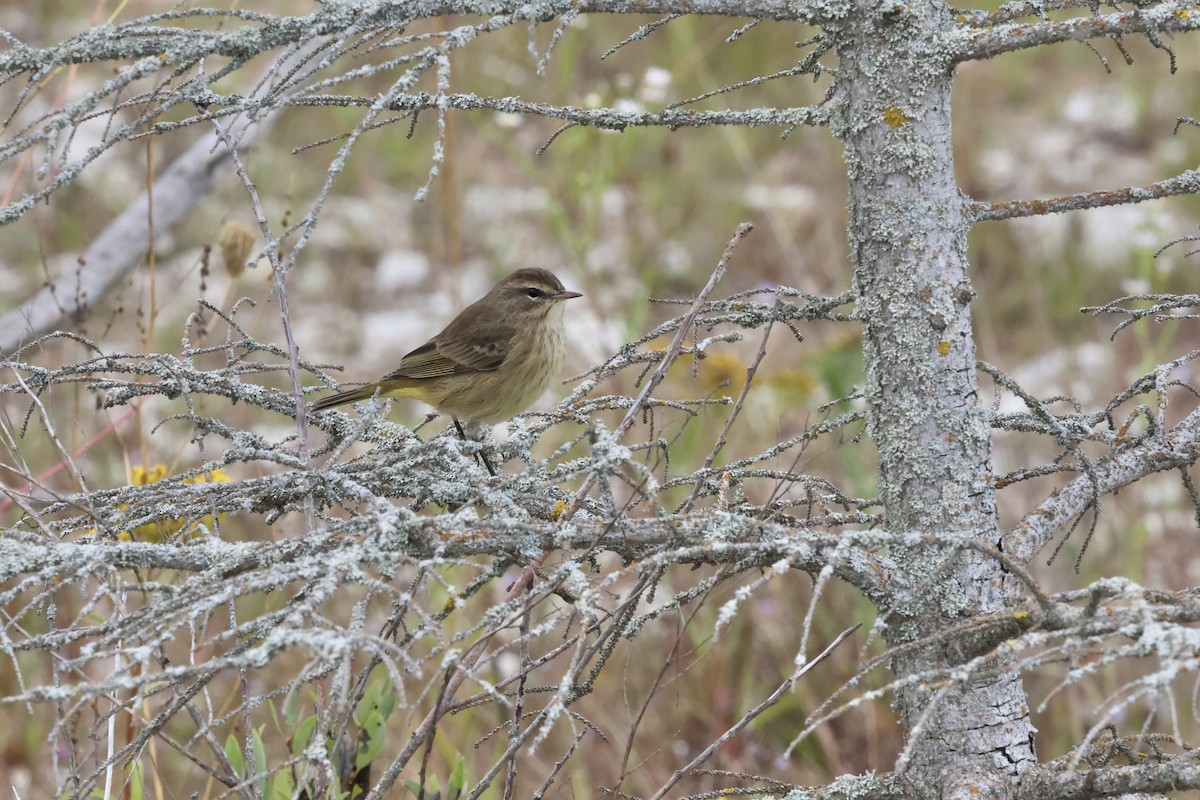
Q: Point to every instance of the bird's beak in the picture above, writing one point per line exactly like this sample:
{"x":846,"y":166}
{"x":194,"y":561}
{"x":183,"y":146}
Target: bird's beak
{"x":565,"y":295}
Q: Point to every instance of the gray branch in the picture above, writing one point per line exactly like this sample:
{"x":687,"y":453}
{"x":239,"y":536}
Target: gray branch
{"x":1172,"y":449}
{"x":1183,"y":184}
{"x":1167,"y":17}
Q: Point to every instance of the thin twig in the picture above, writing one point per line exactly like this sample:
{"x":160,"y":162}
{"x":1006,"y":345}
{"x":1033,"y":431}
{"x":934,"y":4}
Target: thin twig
{"x":750,"y":715}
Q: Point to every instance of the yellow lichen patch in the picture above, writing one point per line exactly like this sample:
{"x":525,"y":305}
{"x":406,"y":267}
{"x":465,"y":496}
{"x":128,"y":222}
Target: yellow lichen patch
{"x":944,"y":347}
{"x":559,"y":507}
{"x":895,"y":116}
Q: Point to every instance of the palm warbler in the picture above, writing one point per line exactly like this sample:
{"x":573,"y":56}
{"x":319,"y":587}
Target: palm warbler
{"x":491,"y":361}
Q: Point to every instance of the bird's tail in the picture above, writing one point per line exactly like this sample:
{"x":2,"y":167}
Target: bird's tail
{"x":348,"y":396}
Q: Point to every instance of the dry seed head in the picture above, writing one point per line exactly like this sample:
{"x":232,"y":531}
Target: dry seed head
{"x":236,"y":240}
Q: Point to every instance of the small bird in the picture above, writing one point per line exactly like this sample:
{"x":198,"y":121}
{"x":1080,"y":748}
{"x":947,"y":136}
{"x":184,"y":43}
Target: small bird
{"x":491,"y":361}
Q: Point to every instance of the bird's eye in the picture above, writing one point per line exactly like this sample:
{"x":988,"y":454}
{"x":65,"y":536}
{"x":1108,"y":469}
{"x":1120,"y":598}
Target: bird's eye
{"x":533,"y":293}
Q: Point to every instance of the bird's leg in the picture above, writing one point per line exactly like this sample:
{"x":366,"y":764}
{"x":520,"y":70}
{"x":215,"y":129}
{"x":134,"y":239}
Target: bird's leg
{"x":482,"y":449}
{"x":487,"y":461}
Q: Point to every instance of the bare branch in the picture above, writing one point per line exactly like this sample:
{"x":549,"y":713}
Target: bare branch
{"x":1167,"y":17}
{"x":603,"y":118}
{"x":1172,"y":449}
{"x":1185,"y":183}
{"x":1167,"y":775}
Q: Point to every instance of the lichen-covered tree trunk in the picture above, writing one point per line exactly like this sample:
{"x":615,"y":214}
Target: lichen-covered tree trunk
{"x":908,"y":229}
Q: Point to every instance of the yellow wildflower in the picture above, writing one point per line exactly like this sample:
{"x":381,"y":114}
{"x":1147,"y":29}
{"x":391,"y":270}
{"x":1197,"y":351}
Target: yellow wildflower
{"x":164,"y":530}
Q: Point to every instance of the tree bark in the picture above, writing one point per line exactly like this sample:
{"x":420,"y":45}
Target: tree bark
{"x":908,"y":234}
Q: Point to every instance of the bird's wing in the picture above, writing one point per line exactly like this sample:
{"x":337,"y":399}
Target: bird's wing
{"x":447,"y":353}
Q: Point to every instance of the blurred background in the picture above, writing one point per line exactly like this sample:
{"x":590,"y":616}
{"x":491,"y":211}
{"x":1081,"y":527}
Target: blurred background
{"x":625,"y":217}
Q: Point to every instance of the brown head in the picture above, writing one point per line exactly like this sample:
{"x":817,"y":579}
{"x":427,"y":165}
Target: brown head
{"x":529,"y":292}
